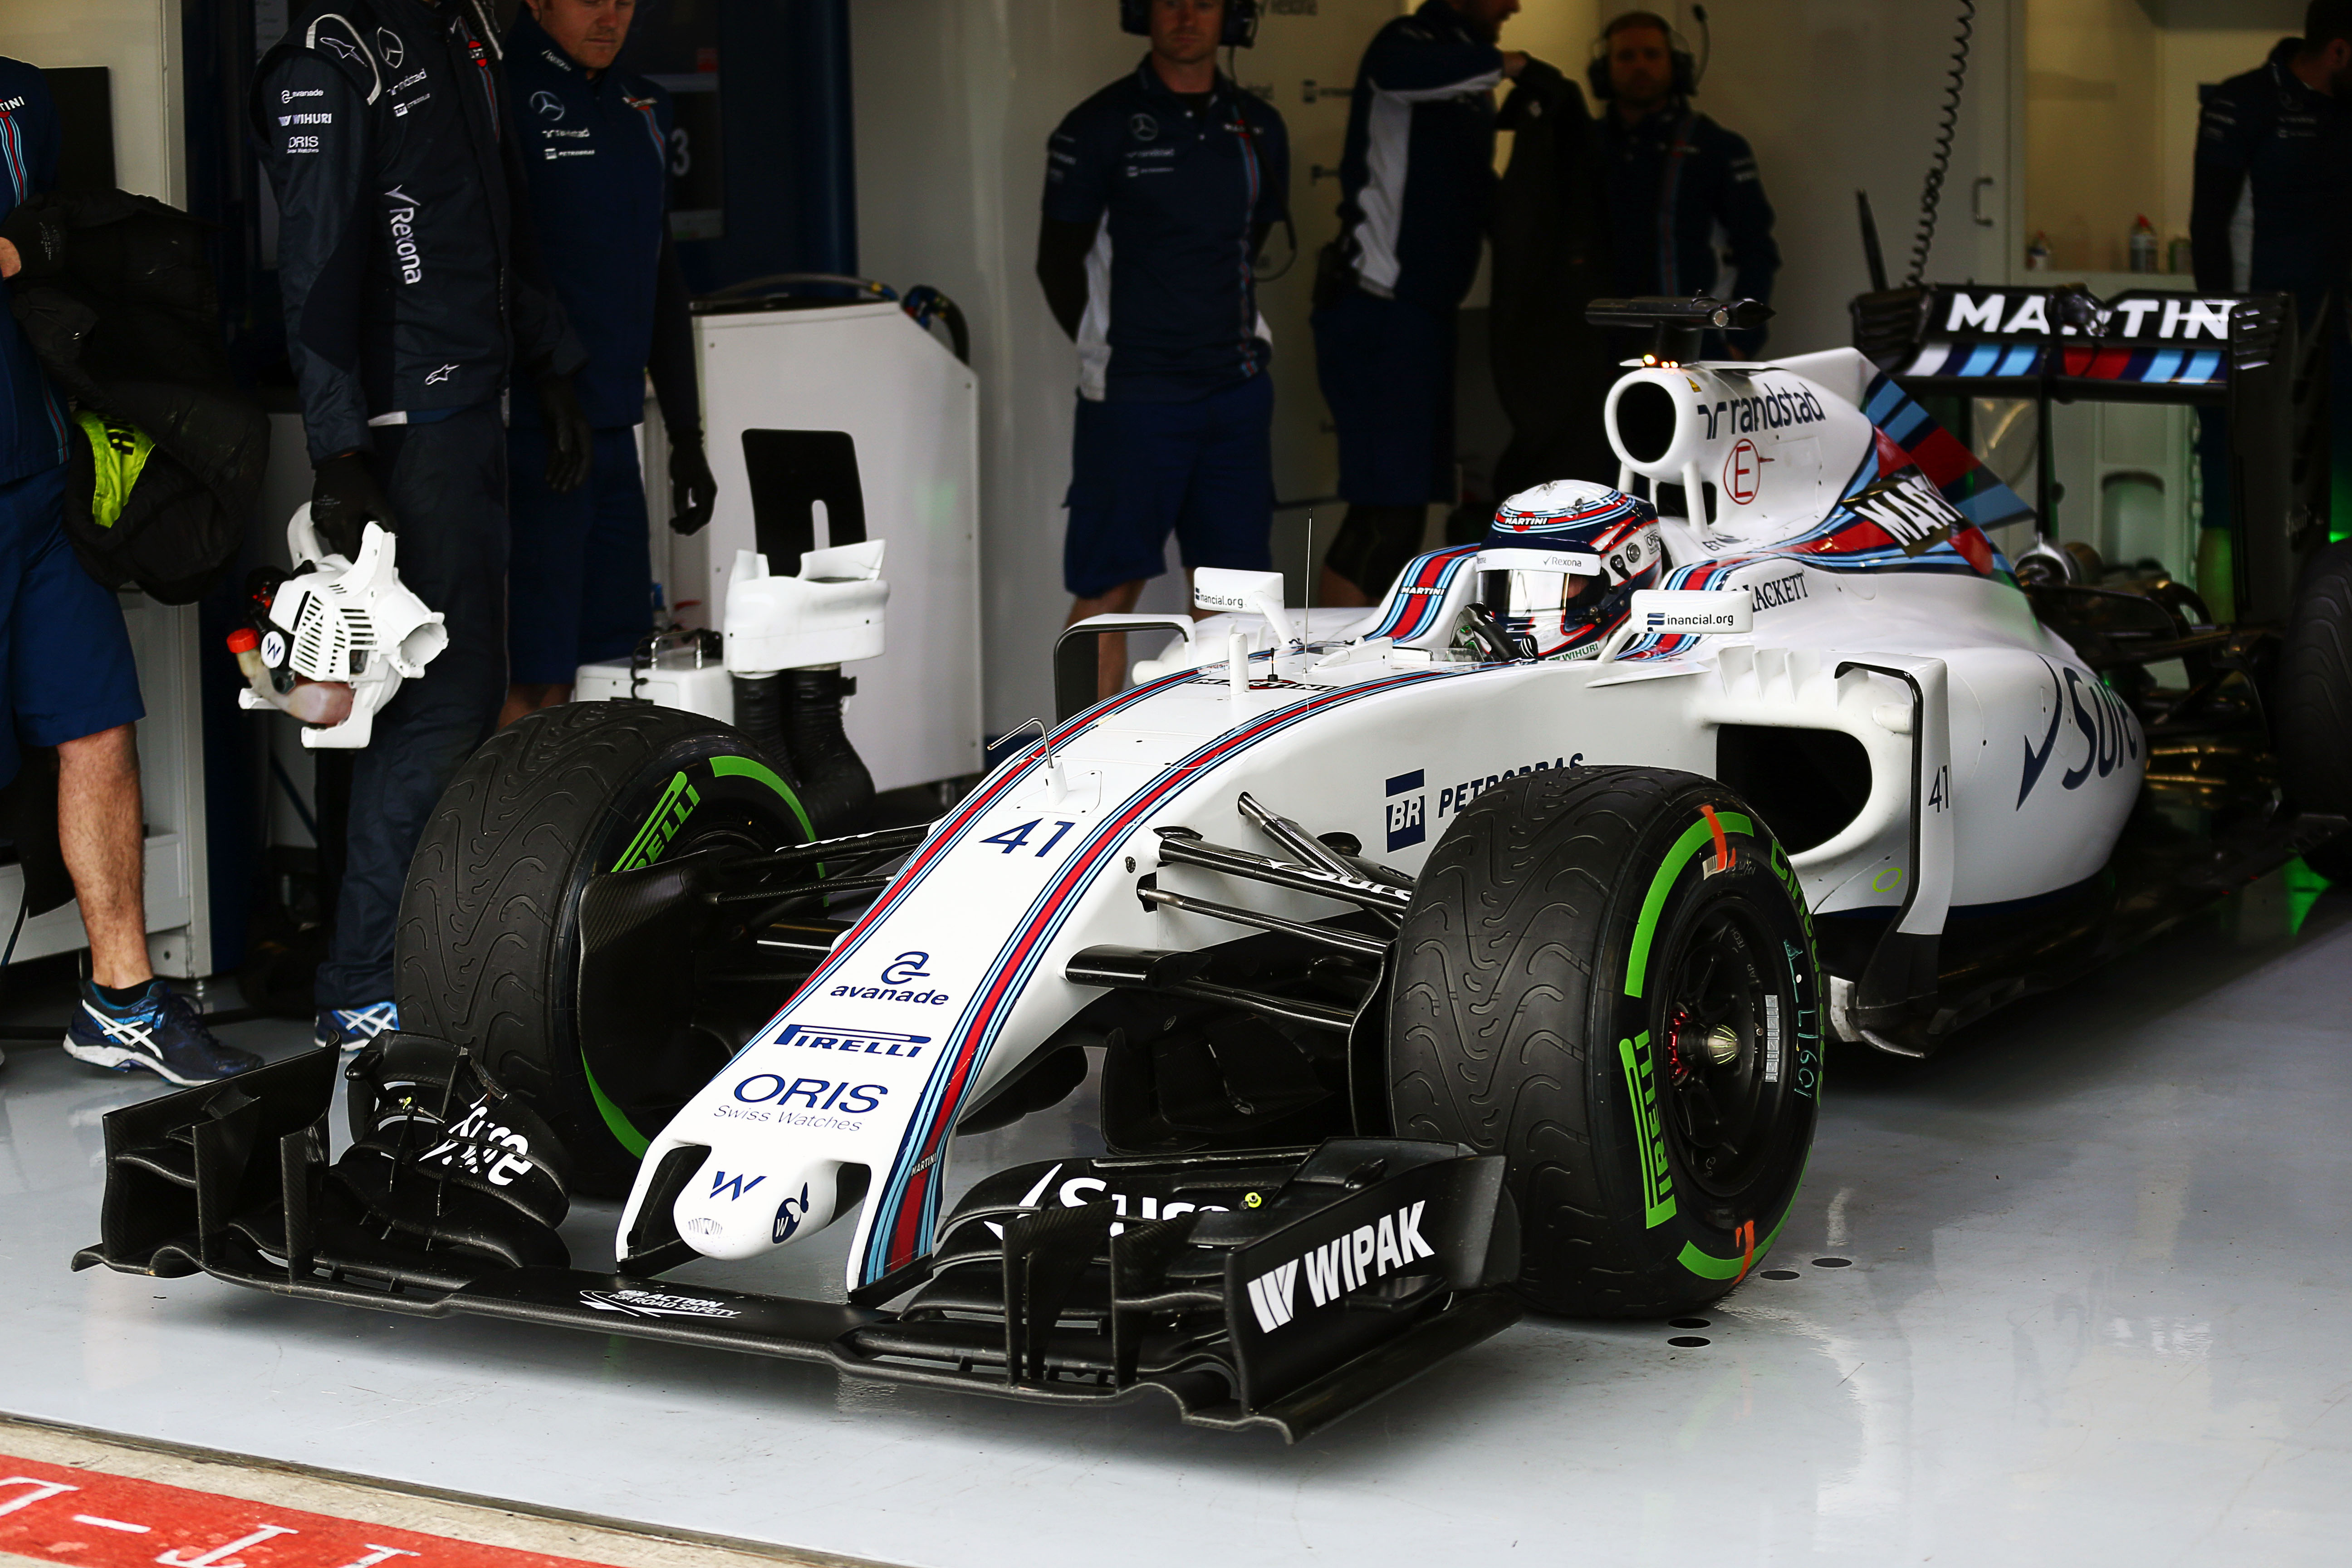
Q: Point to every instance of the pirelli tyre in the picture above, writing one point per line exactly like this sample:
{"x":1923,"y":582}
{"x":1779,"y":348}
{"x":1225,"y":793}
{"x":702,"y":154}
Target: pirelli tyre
{"x":2314,"y":723}
{"x":1608,"y":976}
{"x":488,"y":952}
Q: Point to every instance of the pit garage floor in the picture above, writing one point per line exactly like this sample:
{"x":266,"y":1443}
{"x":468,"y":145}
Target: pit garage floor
{"x":2095,"y":1310}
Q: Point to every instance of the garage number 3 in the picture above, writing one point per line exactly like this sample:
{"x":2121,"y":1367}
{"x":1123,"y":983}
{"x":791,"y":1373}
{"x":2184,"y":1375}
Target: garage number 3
{"x":1017,"y":837}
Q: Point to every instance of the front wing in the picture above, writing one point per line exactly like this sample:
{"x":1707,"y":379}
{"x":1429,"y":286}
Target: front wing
{"x":1279,"y":1290}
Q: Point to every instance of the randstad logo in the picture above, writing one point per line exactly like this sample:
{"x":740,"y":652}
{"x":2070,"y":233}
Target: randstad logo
{"x":1363,"y":1256}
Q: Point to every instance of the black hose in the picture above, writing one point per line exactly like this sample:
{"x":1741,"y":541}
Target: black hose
{"x":760,"y":711}
{"x":836,"y":789}
{"x":1931,"y":193}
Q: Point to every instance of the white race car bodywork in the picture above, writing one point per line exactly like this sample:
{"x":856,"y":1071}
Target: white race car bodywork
{"x":2000,"y":769}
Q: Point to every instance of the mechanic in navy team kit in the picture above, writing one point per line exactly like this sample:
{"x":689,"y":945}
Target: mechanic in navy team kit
{"x":2270,"y":212}
{"x":1416,"y":190}
{"x":65,"y":672}
{"x":1675,"y":177}
{"x":409,"y":296}
{"x":596,"y":148}
{"x":1160,"y":191}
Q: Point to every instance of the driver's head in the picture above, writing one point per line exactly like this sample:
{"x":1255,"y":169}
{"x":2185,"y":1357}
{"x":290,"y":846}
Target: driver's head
{"x":1596,"y":544}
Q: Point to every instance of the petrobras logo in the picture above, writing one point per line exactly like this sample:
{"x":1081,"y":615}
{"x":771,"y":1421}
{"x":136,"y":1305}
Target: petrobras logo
{"x":869,"y":1042}
{"x":1408,"y":810}
{"x":1364,"y":1256}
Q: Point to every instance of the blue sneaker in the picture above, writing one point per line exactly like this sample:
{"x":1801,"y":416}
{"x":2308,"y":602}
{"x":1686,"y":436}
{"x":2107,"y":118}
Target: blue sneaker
{"x":159,"y":1032}
{"x":351,"y":1028}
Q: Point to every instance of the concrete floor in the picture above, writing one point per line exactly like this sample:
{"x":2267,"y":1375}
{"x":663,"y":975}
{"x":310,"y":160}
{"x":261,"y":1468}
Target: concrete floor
{"x":2095,"y":1313}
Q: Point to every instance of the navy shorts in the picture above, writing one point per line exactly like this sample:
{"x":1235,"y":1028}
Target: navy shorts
{"x":579,"y":582}
{"x":1204,"y":470}
{"x":65,"y":657}
{"x":1387,"y":373}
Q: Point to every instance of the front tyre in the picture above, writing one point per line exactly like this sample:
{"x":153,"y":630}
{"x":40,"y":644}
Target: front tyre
{"x":488,"y":951}
{"x":1608,"y":977}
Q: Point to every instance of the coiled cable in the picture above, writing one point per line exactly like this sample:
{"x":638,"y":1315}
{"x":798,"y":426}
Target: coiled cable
{"x":1931,"y":192}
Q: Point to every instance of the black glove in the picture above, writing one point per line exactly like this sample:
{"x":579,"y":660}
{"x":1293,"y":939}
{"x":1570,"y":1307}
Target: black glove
{"x":344,"y":501}
{"x":692,"y":490}
{"x":569,"y":439}
{"x":37,"y":228}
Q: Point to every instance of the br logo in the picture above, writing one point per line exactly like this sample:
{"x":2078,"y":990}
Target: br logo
{"x":1408,"y":810}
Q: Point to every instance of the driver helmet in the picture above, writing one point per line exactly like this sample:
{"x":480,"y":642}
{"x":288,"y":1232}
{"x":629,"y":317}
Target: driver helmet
{"x":1586,"y":548}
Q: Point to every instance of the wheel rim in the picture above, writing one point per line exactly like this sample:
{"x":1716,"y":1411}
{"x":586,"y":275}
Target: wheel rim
{"x":1725,"y":1018}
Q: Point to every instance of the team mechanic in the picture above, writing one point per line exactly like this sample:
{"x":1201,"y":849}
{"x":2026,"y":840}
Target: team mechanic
{"x":67,"y":678}
{"x":1416,"y":190}
{"x":1160,"y":191}
{"x":2271,"y":210}
{"x":594,"y":144}
{"x":409,"y":291}
{"x":1675,"y":177}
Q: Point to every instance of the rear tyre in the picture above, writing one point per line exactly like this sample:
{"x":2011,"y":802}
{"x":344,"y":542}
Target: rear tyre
{"x":1581,"y":987}
{"x":2314,"y":723}
{"x":488,"y":951}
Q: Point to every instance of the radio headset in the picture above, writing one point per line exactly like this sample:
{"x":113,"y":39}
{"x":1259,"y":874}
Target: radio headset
{"x":1241,"y":21}
{"x":1689,"y":67}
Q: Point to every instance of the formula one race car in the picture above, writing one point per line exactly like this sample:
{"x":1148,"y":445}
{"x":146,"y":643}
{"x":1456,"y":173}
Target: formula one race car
{"x":1474,"y":952}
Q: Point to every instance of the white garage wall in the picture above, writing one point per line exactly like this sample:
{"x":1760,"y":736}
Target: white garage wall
{"x":955,"y":99}
{"x":139,"y":41}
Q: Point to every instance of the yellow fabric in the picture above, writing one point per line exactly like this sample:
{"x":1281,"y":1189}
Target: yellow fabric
{"x":117,"y":454}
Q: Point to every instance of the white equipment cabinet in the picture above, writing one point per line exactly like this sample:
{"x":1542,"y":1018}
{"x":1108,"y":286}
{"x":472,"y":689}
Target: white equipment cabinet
{"x":914,"y":412}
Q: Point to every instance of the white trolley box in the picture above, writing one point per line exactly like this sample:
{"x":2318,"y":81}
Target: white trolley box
{"x":776,"y":384}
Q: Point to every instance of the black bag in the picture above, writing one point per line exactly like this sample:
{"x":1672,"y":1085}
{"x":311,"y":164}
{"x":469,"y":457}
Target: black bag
{"x":117,"y":300}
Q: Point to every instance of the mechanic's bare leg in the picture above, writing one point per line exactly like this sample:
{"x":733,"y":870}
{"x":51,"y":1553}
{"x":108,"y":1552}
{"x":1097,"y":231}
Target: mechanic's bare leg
{"x":529,"y":697}
{"x":1110,"y":652}
{"x":105,"y":850}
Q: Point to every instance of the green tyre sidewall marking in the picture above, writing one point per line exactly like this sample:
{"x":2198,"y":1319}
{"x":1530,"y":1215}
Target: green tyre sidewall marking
{"x":643,"y":845}
{"x":1675,"y":1233}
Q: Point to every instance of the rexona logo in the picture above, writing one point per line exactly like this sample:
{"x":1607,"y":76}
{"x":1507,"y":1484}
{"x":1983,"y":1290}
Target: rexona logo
{"x":871,"y":1042}
{"x":654,"y":1304}
{"x":1363,"y":1257}
{"x":403,"y":220}
{"x":1408,"y":810}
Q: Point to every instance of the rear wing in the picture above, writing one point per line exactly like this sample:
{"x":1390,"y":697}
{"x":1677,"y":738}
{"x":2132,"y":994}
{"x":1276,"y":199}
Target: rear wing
{"x":2064,"y":344}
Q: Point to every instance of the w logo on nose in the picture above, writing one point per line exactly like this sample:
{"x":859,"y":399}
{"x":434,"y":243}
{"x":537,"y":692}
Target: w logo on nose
{"x":734,"y":1186}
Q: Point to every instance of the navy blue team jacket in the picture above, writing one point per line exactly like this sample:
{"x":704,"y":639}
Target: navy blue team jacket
{"x":596,"y":157}
{"x":1417,"y":175}
{"x":2278,"y":154}
{"x":32,"y":422}
{"x":1172,"y":312}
